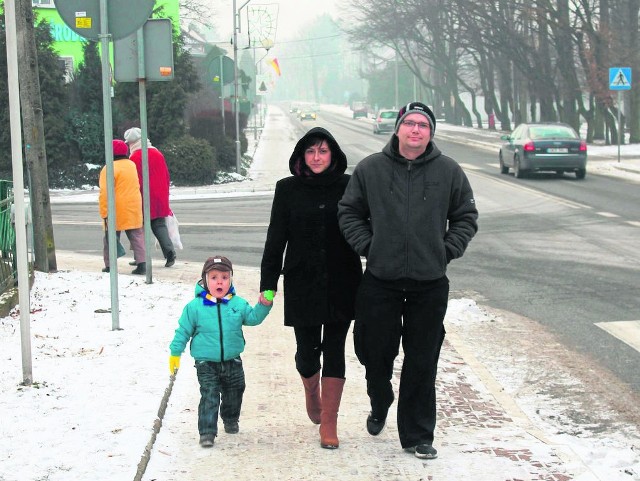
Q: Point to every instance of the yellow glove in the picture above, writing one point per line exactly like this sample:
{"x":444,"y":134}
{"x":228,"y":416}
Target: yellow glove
{"x":174,"y":364}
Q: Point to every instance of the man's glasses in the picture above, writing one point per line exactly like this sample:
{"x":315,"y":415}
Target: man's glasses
{"x":411,"y":124}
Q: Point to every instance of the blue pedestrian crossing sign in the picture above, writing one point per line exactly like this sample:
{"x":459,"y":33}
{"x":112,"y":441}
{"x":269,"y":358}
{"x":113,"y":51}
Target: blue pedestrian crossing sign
{"x":620,"y":78}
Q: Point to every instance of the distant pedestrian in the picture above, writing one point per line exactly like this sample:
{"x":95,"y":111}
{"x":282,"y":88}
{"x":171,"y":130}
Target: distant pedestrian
{"x":213,"y":322}
{"x":410,"y":211}
{"x":159,"y":181}
{"x":321,"y":272}
{"x":128,"y":206}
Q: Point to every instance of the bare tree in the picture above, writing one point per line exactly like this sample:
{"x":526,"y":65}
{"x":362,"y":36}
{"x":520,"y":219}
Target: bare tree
{"x":33,"y":132}
{"x":531,"y":59}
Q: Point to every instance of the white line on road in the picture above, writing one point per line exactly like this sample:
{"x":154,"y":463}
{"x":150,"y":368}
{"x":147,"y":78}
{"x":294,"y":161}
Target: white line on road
{"x":469,"y":166}
{"x":627,"y":331}
{"x":607,"y":214}
{"x":193,"y":224}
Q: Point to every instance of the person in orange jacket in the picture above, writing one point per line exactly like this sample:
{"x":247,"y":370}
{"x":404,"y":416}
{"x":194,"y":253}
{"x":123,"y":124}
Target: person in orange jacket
{"x":128,"y":206}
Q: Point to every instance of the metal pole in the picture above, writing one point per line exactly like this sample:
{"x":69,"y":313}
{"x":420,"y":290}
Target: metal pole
{"x":146,"y":194}
{"x":261,"y":97}
{"x":108,"y":152}
{"x":236,"y":29}
{"x":224,"y":128}
{"x":18,"y":190}
{"x":396,"y":81}
{"x":620,"y":132}
{"x":255,"y":96}
{"x":235,"y":84}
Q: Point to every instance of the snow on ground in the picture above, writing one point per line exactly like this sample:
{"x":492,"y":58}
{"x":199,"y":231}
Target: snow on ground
{"x":97,"y":391}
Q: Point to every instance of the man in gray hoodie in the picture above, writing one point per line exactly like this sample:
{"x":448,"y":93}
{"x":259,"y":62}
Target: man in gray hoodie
{"x":409,"y":210}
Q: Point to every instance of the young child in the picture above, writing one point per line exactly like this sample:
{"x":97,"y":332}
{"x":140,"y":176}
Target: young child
{"x":213,"y":321}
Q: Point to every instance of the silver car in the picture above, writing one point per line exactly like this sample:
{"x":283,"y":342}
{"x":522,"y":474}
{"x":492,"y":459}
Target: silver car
{"x":385,"y":121}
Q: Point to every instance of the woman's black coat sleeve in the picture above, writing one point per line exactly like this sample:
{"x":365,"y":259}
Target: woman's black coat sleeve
{"x":277,"y":235}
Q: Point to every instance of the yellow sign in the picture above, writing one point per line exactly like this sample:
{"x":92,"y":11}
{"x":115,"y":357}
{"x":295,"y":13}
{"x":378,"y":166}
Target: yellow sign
{"x":83,"y":22}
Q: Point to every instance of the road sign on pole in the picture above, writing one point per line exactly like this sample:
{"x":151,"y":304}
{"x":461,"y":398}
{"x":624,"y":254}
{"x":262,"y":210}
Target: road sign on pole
{"x":619,"y":78}
{"x":83,"y":16}
{"x":222,"y":68}
{"x":158,"y":53}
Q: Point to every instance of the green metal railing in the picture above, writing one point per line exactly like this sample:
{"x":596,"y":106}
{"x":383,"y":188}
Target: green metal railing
{"x":8,"y":273}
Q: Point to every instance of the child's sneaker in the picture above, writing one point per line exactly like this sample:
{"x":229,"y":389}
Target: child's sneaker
{"x":231,"y":427}
{"x":206,"y":440}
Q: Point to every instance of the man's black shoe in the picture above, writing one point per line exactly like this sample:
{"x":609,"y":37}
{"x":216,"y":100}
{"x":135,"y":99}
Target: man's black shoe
{"x":423,"y":451}
{"x":375,"y":425}
{"x":171,"y":259}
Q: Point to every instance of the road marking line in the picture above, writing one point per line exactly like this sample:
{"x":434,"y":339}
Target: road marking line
{"x":75,"y":222}
{"x":634,"y":223}
{"x":192,"y":224}
{"x":627,"y":331}
{"x":469,"y":166}
{"x":607,"y":214}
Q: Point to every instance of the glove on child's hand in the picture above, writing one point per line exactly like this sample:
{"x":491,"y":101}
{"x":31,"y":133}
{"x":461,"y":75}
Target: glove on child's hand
{"x":266,"y":298}
{"x":174,"y":364}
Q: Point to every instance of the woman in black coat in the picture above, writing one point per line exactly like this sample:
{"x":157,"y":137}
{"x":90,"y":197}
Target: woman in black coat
{"x":321,"y":271}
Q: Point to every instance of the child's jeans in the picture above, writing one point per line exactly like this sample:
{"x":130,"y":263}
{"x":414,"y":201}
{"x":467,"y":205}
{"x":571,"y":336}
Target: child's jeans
{"x":221,"y":386}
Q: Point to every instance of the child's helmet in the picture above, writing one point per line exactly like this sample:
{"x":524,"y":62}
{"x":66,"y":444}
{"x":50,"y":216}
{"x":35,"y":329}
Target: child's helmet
{"x":219,"y":263}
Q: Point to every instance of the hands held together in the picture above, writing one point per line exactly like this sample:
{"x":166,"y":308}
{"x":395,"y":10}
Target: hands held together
{"x":266,"y":297}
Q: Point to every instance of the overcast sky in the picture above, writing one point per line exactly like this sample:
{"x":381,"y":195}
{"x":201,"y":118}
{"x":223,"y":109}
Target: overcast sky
{"x":292,"y":15}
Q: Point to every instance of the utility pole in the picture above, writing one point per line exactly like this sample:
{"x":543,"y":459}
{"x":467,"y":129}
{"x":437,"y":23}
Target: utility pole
{"x":236,"y":91}
{"x":33,"y":131}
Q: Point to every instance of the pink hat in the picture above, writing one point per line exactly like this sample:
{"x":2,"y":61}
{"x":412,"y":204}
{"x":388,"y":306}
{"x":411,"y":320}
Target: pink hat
{"x":120,"y":149}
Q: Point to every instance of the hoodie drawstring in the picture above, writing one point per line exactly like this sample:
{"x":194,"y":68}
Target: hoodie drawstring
{"x":424,"y":184}
{"x":392,"y":177}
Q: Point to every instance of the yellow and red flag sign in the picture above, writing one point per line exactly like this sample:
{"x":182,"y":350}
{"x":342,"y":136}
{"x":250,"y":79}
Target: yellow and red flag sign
{"x":275,"y":65}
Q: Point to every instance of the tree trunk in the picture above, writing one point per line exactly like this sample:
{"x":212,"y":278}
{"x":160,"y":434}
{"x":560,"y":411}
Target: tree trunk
{"x":570,"y":90}
{"x":33,"y":132}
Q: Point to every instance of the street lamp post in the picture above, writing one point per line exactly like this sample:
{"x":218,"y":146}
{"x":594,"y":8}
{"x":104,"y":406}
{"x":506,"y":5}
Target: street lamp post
{"x":267,"y":46}
{"x":236,"y":29}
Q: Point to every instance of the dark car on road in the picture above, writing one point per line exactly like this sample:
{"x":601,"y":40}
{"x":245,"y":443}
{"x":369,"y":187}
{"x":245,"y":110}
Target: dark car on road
{"x":385,"y":121}
{"x":538,"y":147}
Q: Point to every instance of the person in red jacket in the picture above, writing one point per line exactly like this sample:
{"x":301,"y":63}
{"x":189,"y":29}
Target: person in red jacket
{"x":158,"y":190}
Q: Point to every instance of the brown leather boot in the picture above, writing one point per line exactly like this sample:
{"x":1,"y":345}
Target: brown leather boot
{"x":312,"y":396}
{"x":331,"y":396}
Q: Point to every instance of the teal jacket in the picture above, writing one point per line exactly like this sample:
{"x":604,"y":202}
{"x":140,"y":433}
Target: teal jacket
{"x":215,"y":329}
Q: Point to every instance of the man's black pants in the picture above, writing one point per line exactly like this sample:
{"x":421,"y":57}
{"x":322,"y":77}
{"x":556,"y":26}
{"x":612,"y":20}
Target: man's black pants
{"x":386,"y":312}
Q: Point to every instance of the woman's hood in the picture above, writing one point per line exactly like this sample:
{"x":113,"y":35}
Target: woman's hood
{"x":338,"y":157}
